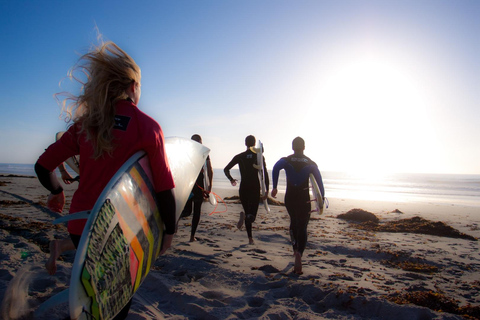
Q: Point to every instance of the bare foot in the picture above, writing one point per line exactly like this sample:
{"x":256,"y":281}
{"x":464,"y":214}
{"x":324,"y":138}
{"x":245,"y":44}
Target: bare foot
{"x":51,"y":264}
{"x":241,"y":220}
{"x":250,"y":241}
{"x":193,"y":239}
{"x":298,"y":263}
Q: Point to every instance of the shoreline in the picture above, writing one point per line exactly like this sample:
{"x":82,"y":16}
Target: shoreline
{"x":348,"y":273}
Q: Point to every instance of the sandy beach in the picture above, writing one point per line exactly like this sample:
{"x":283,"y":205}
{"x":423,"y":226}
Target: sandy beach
{"x":420,"y":261}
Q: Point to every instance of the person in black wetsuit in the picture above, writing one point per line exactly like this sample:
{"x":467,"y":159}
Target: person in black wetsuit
{"x":199,"y":193}
{"x":298,"y":168}
{"x":249,"y":184}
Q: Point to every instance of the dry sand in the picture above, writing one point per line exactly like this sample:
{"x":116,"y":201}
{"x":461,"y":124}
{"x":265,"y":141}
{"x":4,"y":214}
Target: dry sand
{"x":350,"y":270}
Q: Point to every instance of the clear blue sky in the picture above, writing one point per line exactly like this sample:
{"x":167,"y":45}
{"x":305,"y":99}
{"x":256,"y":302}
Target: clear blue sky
{"x":371,"y":86}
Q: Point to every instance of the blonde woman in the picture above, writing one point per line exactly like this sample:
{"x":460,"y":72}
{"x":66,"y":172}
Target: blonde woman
{"x":107,"y":128}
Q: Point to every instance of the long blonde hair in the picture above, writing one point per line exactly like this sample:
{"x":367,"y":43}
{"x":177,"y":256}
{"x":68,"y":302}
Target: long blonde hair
{"x":109,"y":72}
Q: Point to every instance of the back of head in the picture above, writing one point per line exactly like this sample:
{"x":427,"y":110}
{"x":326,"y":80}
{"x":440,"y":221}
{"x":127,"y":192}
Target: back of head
{"x":110,"y":71}
{"x":197,"y":137}
{"x":250,"y":141}
{"x":298,"y":144}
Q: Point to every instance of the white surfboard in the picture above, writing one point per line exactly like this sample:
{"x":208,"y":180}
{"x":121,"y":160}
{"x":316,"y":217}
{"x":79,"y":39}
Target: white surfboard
{"x":261,"y":172}
{"x":317,"y":198}
{"x":73,"y":162}
{"x":206,"y":184}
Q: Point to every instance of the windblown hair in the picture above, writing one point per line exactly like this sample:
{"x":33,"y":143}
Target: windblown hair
{"x":109,"y":72}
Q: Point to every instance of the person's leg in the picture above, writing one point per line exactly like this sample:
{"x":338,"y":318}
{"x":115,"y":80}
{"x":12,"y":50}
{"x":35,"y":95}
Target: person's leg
{"x":251,"y":214}
{"x":197,"y":207}
{"x":248,"y":226}
{"x":250,"y":197}
{"x":57,"y":247}
{"x":291,"y":230}
{"x":299,"y":217}
{"x":241,"y":220}
{"x":248,"y":221}
{"x":244,"y":201}
{"x":298,"y":263}
{"x":301,"y":232}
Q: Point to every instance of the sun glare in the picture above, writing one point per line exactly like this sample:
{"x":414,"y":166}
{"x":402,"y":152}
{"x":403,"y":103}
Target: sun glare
{"x":373,"y":114}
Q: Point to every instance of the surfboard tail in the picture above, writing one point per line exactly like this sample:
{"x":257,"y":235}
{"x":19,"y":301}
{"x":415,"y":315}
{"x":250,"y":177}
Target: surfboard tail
{"x":212,"y":199}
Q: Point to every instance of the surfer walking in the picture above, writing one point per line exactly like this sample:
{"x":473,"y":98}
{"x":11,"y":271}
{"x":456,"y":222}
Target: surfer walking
{"x":298,"y":168}
{"x":249,"y":184}
{"x":199,"y":194}
{"x":107,"y":129}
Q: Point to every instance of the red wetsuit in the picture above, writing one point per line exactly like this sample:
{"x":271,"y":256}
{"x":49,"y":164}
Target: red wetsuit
{"x":133,"y":131}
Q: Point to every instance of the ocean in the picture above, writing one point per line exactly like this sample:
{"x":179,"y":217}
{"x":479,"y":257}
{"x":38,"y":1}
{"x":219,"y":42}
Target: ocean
{"x":436,"y":188}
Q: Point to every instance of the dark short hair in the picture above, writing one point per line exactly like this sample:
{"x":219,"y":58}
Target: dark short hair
{"x":250,"y":141}
{"x":298,"y":144}
{"x":196,"y":137}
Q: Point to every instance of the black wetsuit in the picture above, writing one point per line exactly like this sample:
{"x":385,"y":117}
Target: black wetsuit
{"x":297,"y":199}
{"x":195,"y":201}
{"x":249,"y":185}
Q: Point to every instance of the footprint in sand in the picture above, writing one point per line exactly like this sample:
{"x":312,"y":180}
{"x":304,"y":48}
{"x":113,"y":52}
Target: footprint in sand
{"x":258,"y":254}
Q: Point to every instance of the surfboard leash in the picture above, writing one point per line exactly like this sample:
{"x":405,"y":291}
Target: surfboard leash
{"x":219,"y":199}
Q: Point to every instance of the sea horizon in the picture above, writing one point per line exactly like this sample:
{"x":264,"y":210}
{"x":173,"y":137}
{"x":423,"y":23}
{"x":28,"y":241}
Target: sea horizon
{"x":444,"y":188}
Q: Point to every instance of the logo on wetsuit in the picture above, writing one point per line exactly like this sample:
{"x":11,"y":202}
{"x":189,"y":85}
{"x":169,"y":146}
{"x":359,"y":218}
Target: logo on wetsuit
{"x":121,"y":122}
{"x":299,"y":160}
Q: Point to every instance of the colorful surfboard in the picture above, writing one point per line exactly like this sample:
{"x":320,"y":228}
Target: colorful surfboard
{"x":123,"y":234}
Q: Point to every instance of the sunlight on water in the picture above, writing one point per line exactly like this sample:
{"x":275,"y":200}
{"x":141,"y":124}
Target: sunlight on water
{"x":437,"y":188}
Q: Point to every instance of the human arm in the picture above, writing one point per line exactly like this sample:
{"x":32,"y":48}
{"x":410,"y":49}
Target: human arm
{"x":66,"y":177}
{"x":226,"y":170}
{"x":166,"y":207}
{"x":267,"y":180}
{"x":210,"y":175}
{"x":56,"y":198}
{"x":275,"y":173}
{"x":55,"y":155}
